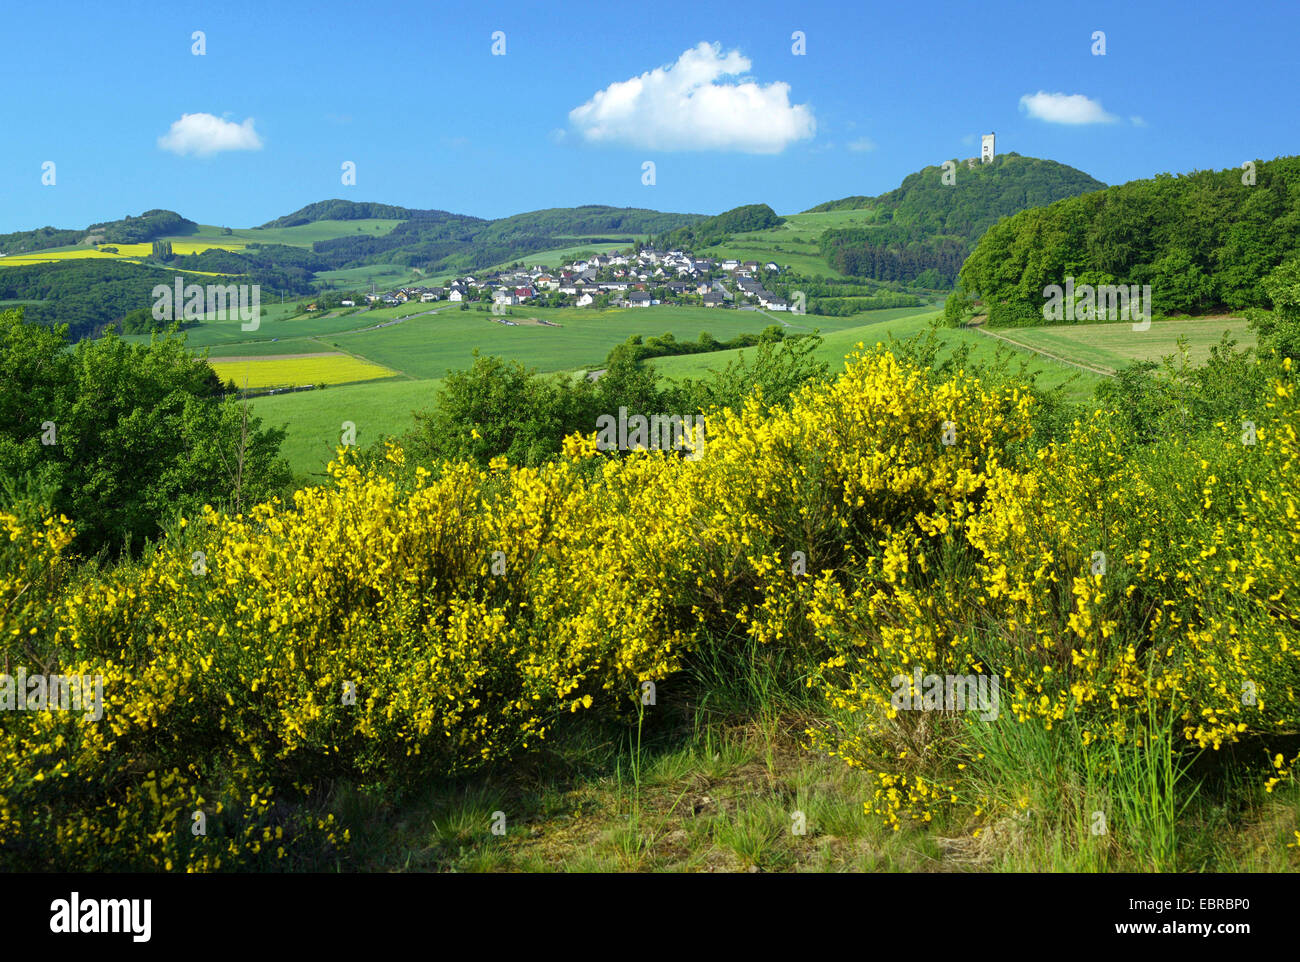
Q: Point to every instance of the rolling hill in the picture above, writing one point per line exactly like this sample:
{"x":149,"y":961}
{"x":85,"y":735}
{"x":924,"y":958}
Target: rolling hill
{"x":1204,"y":242}
{"x":918,"y":234}
{"x":923,"y":230}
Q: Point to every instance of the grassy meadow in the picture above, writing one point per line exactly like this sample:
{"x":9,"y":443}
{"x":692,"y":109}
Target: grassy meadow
{"x":1111,"y":346}
{"x":314,"y":419}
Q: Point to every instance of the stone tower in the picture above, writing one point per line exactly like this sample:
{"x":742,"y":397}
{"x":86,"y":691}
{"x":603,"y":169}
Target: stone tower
{"x":986,"y":149}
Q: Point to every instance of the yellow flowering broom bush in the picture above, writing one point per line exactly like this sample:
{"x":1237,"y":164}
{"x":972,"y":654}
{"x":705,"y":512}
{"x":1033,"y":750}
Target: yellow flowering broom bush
{"x":422,"y":620}
{"x":1100,"y":585}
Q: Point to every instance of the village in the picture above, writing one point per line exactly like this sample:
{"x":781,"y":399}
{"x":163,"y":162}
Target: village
{"x":640,"y":278}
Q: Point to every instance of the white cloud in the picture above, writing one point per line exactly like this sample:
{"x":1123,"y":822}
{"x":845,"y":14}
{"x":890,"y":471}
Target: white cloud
{"x":1137,"y":121}
{"x":684,"y":106}
{"x":1065,"y":109}
{"x":204,"y":134}
{"x":862,"y":144}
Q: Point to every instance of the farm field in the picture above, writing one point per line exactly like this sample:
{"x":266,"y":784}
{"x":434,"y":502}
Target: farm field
{"x":414,"y":354}
{"x":838,"y":343}
{"x":132,"y":253}
{"x":283,"y":332}
{"x":314,"y":419}
{"x":208,"y":236}
{"x":296,"y":371}
{"x":427,"y":347}
{"x":1113,"y":345}
{"x":383,"y":276}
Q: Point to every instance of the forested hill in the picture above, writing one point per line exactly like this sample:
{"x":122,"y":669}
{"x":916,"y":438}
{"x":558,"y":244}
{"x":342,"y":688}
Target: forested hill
{"x":929,"y":225}
{"x":711,"y":230}
{"x":979,"y":196}
{"x":438,"y":242}
{"x":127,"y":230}
{"x":87,"y":292}
{"x":1204,"y":241}
{"x":353,"y":210}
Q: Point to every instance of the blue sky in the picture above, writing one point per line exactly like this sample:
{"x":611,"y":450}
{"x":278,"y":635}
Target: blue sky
{"x":413,"y":95}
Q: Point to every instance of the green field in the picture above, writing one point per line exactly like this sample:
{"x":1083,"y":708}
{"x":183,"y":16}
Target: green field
{"x":1111,"y":346}
{"x":314,"y":419}
{"x":383,"y":276}
{"x":839,"y":343}
{"x":283,"y":332}
{"x":427,"y":347}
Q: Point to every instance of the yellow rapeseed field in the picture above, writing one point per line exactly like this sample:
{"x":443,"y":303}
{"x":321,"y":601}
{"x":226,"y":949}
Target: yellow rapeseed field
{"x":124,"y":252}
{"x":295,"y":371}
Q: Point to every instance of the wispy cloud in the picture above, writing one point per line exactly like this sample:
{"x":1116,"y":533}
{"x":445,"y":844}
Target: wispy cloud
{"x":205,"y":134}
{"x":1137,"y":121}
{"x":1060,"y":108}
{"x":688,"y":105}
{"x":862,"y":144}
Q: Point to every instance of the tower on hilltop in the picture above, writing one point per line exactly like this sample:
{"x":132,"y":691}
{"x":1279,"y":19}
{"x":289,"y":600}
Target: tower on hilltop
{"x":986,"y":149}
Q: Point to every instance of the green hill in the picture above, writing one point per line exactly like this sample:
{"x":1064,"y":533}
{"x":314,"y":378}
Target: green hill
{"x":714,"y":230}
{"x":437,"y":242}
{"x":128,"y":230}
{"x":345,"y":210}
{"x":1204,"y":241}
{"x":924,"y":229}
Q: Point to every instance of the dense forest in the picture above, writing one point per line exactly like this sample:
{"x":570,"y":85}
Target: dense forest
{"x":902,"y":254}
{"x":926,"y":227}
{"x":85,"y":295}
{"x":1204,"y":241}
